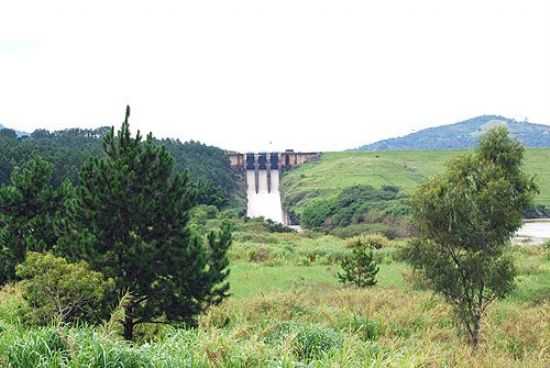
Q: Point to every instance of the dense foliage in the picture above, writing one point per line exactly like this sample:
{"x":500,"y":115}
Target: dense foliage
{"x":29,"y":207}
{"x":358,"y":204}
{"x":129,"y":220}
{"x":465,"y":219}
{"x":56,"y":290}
{"x":69,"y":149}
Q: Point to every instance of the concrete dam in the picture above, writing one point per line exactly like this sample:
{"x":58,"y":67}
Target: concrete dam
{"x":262,"y":173}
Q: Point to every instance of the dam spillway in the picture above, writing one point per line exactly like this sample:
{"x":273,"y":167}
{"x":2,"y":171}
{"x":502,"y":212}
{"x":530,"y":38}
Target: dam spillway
{"x":262,"y":172}
{"x":264,"y":198}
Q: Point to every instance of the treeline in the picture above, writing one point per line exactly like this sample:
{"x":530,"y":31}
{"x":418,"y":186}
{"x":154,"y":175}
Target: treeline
{"x":119,"y":238}
{"x":68,"y":149}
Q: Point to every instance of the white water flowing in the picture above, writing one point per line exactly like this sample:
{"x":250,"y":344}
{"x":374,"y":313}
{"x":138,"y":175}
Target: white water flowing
{"x":264,"y":202}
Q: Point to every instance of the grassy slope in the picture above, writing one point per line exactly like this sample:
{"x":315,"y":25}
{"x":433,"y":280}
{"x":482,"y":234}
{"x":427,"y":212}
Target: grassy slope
{"x":336,"y":171}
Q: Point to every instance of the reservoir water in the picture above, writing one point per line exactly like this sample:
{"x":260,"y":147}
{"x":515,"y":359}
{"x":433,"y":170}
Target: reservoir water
{"x":536,"y":230}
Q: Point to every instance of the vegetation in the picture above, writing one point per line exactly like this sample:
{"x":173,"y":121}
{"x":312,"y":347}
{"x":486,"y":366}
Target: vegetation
{"x":56,"y":290}
{"x":360,"y":204}
{"x":315,"y":184}
{"x":67,"y":150}
{"x":464,"y":135}
{"x":359,"y":268}
{"x":132,"y":224}
{"x":128,"y":220}
{"x":465,"y":218}
{"x":29,"y":207}
{"x":289,"y":309}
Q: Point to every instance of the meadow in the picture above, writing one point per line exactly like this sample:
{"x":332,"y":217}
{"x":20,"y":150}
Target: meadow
{"x":288,"y":310}
{"x":404,"y":169}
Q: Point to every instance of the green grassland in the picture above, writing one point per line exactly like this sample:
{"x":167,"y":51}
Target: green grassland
{"x":405,"y":169}
{"x":288,"y":310}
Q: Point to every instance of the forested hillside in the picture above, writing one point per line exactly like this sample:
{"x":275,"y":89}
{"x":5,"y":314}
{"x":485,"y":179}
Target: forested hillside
{"x":68,"y":149}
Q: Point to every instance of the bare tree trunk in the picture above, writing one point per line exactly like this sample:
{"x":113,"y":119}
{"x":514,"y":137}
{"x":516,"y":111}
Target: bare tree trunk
{"x":474,"y":333}
{"x":128,"y":328}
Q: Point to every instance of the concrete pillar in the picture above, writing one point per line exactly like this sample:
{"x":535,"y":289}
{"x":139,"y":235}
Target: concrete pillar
{"x":256,"y":173}
{"x":268,"y":168}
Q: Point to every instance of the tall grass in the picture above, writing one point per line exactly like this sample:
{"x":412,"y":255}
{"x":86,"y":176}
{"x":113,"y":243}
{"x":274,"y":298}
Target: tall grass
{"x":311,"y":323}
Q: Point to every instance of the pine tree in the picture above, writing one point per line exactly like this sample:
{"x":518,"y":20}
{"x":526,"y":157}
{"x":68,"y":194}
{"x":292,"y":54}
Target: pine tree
{"x":360,"y":268}
{"x":129,"y":221}
{"x":28,"y":209}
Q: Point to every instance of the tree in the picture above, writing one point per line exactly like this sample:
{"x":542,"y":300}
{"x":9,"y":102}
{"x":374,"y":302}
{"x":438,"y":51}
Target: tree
{"x":8,"y":133}
{"x":57,"y":289}
{"x":360,"y":268}
{"x":28,"y":210}
{"x":465,"y":219}
{"x":129,"y":221}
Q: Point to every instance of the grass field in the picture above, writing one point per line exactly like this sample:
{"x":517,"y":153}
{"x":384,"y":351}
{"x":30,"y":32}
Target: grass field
{"x":288,"y":310}
{"x":336,"y":171}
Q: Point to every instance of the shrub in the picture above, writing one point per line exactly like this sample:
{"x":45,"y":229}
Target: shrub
{"x":309,"y":342}
{"x":366,"y":329}
{"x":358,"y":229}
{"x":55,"y":288}
{"x":312,"y":342}
{"x":259,"y":254}
{"x":416,"y":279}
{"x":359,"y":269}
{"x":376,"y":241}
{"x":276,"y":227}
{"x":316,"y":213}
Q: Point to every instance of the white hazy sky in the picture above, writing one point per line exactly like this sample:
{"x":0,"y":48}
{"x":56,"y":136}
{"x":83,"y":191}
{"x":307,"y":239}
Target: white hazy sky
{"x":302,"y":74}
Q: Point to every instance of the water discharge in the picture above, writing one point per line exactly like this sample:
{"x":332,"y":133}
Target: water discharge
{"x":264,"y":198}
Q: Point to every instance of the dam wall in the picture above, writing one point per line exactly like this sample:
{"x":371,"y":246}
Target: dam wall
{"x":262,"y":180}
{"x":280,"y":160}
{"x":264,"y":198}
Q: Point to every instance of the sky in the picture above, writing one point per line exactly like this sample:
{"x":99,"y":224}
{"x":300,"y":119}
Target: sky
{"x":270,"y":75}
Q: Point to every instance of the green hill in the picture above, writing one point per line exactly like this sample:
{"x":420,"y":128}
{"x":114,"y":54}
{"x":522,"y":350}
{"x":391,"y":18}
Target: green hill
{"x":334,"y":172}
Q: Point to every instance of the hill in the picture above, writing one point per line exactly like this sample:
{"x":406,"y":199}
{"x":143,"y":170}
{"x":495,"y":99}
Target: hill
{"x":68,"y":149}
{"x":17,"y":132}
{"x":337,"y":172}
{"x":464,"y":135}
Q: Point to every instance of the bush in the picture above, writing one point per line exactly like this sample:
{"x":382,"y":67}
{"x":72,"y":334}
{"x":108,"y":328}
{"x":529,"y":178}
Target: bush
{"x":312,"y":342}
{"x":359,"y":229}
{"x":259,"y":254}
{"x":316,"y":213}
{"x":376,"y":241}
{"x":309,"y":342}
{"x":366,"y":329}
{"x":55,"y":288}
{"x":359,"y":269}
{"x":276,"y":227}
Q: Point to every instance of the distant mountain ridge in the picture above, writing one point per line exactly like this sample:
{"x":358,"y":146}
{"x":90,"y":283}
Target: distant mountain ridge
{"x":464,"y":134}
{"x":19,"y":134}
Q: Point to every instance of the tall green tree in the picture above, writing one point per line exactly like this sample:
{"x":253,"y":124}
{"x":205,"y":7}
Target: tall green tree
{"x":465,"y":219}
{"x":129,"y":221}
{"x":29,"y":206}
